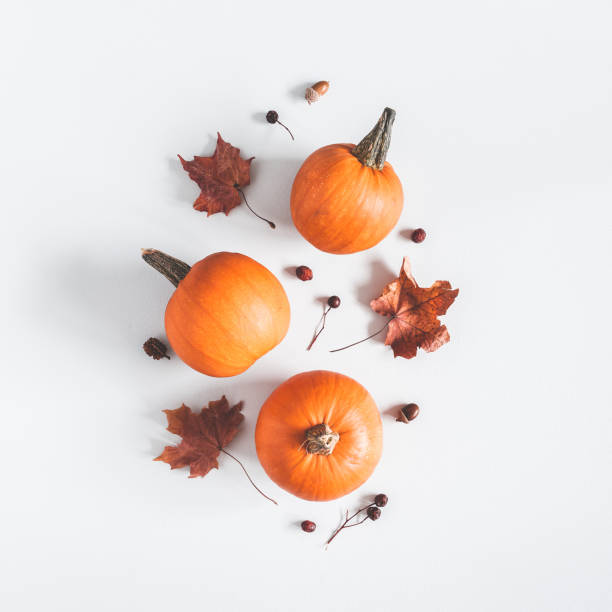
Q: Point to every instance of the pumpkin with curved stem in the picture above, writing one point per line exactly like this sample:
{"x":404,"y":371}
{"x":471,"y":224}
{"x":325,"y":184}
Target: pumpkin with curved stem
{"x":227,"y":311}
{"x":347,"y":198}
{"x":319,"y":435}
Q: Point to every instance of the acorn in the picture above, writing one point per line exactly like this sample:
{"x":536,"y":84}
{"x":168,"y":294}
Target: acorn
{"x":316,"y":91}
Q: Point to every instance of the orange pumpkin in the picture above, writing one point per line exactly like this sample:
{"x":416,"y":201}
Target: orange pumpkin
{"x":319,"y":435}
{"x":227,"y":311}
{"x":347,"y":198}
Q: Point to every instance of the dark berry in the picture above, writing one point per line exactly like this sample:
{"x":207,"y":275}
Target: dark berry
{"x":333,"y":301}
{"x":381,"y":500}
{"x":308,"y":526}
{"x":419,"y":235}
{"x":271,"y":116}
{"x":155,"y":348}
{"x":408,"y":413}
{"x":374,"y":513}
{"x":304,"y":273}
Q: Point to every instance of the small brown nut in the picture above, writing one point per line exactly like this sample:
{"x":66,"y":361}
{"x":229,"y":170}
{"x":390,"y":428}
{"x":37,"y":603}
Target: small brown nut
{"x":155,"y":348}
{"x":408,"y":413}
{"x":316,"y":91}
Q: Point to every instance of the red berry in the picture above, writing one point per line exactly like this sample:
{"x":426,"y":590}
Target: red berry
{"x":419,"y":235}
{"x":308,"y":526}
{"x":381,"y":500}
{"x":333,"y":301}
{"x":304,"y":273}
{"x":373,"y":513}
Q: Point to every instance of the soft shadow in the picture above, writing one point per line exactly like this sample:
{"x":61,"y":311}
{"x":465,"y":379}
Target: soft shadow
{"x":380,"y":275}
{"x":407,"y":233}
{"x":393,"y":411}
{"x":260,"y":117}
{"x":290,"y":270}
{"x":298,"y":92}
{"x":270,"y":190}
{"x":101,"y":295}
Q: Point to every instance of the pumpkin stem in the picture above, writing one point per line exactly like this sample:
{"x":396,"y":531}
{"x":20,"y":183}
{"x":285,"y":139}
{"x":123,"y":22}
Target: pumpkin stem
{"x":173,"y":269}
{"x":321,"y":440}
{"x":372,"y":150}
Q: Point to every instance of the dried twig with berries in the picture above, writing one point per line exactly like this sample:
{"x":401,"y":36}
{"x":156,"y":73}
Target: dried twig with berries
{"x":372,"y":511}
{"x":332,"y":302}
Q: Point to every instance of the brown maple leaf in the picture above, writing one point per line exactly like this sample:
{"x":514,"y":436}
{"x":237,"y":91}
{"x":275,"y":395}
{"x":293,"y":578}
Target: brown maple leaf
{"x":414,"y":311}
{"x":219,"y":177}
{"x":203,"y":435}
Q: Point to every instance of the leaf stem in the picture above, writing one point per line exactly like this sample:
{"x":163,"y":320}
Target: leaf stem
{"x":364,"y":339}
{"x":272,"y":225}
{"x":247,"y":475}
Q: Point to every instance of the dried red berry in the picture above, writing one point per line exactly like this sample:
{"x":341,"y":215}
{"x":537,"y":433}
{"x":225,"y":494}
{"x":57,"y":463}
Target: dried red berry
{"x":308,"y":526}
{"x":419,"y":235}
{"x":408,"y":413}
{"x":373,"y":513}
{"x":333,"y":301}
{"x":381,"y":500}
{"x":304,"y":273}
{"x":272,"y":117}
{"x":155,"y":348}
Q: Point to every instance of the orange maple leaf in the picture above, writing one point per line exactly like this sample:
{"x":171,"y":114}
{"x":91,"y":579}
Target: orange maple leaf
{"x":414,"y":311}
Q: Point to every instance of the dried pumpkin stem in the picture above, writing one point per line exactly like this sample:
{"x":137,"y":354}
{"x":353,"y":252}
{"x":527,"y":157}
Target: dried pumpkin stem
{"x":321,"y":440}
{"x":372,"y":150}
{"x":247,"y":475}
{"x":173,"y":269}
{"x":364,"y":339}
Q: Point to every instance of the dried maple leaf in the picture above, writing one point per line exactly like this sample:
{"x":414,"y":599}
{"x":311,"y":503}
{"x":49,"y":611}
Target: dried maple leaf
{"x":220,"y":179}
{"x":204,"y":436}
{"x":414,"y":311}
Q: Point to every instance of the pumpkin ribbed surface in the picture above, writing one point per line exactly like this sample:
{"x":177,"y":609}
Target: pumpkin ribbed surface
{"x":302,"y":403}
{"x":226,"y":313}
{"x":341,"y":205}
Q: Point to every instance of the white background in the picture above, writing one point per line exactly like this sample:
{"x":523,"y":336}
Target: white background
{"x":500,"y":490}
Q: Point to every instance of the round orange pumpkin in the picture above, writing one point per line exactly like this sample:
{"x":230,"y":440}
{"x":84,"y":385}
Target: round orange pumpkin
{"x":347,"y":198}
{"x":319,"y":435}
{"x":227,"y":311}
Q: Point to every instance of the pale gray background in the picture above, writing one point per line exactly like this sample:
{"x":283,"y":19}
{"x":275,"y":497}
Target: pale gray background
{"x":500,"y":491}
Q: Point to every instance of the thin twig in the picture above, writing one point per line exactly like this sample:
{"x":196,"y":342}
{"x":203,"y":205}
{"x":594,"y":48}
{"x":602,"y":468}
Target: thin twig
{"x":322,"y":323}
{"x":360,"y":341}
{"x":349,"y":518}
{"x":247,"y":475}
